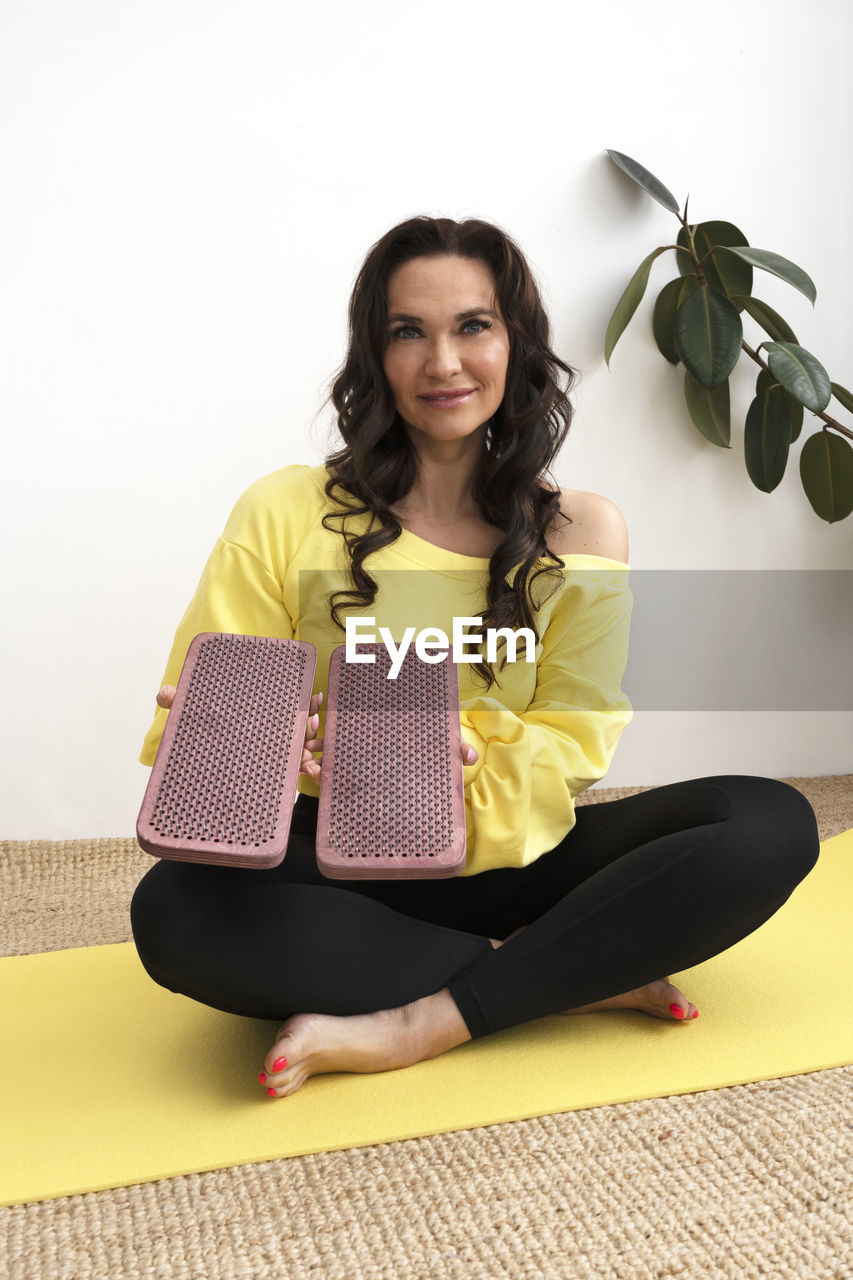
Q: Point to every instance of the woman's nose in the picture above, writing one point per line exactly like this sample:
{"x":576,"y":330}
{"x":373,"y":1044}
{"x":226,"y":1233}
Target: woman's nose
{"x":442,"y":358}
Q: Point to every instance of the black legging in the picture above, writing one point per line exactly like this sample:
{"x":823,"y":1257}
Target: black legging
{"x":640,"y":888}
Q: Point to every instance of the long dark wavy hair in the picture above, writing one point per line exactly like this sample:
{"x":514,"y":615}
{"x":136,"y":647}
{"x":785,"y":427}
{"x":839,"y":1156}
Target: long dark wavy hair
{"x":378,"y":464}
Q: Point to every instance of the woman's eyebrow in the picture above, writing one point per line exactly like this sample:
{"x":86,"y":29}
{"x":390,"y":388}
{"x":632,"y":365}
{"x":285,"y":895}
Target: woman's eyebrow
{"x":461,"y":315}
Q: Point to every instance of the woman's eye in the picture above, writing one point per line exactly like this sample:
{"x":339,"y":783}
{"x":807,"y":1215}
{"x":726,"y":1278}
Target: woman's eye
{"x":407,"y":332}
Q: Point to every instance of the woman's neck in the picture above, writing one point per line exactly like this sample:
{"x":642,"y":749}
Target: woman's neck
{"x":441,"y":493}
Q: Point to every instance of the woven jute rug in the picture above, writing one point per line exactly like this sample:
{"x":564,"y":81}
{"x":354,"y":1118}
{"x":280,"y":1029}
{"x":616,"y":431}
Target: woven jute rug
{"x":750,"y":1181}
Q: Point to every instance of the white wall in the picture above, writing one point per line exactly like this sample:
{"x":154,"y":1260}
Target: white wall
{"x":190,"y":189}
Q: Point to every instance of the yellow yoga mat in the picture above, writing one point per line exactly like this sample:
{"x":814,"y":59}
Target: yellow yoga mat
{"x":107,"y":1079}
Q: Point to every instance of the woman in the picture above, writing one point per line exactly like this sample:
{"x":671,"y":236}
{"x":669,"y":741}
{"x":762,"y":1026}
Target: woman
{"x":452,"y":407}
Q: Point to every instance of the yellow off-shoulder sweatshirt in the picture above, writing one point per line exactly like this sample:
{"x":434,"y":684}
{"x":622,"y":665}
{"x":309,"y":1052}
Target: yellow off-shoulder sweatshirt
{"x":547,"y":731}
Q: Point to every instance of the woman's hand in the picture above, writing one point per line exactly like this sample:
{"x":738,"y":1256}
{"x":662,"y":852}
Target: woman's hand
{"x":308,"y":764}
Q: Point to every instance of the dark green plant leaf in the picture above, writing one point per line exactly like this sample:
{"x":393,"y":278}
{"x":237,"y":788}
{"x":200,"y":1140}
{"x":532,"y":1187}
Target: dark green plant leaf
{"x":710,"y":410}
{"x":777,"y":266}
{"x":800,"y":373}
{"x":708,"y":334}
{"x":766,"y":440}
{"x":796,"y":412}
{"x":652,"y":185}
{"x":724,"y":273}
{"x":628,"y":303}
{"x":826,"y":470}
{"x":770,"y":320}
{"x":669,"y":300}
{"x":842,"y":395}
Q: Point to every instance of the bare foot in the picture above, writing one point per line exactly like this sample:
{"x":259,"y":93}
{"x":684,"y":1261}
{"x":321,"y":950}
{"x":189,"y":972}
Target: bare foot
{"x":660,"y":998}
{"x":310,"y":1044}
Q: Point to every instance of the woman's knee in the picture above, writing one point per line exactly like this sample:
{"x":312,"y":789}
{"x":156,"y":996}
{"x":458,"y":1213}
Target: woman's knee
{"x":803,"y":838}
{"x":146,"y":916}
{"x":780,"y":820}
{"x":161,"y":914}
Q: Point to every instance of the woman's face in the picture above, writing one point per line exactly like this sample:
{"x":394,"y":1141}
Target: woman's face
{"x":448,"y":347}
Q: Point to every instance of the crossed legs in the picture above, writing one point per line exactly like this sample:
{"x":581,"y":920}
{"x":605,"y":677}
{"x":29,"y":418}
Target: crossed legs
{"x":641,"y":887}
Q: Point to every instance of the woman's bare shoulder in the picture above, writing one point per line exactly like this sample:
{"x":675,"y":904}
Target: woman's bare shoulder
{"x":597,"y":526}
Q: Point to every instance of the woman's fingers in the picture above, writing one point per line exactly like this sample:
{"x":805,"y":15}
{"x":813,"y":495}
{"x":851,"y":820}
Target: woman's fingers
{"x":310,"y":766}
{"x":312,"y":724}
{"x":311,"y":743}
{"x":469,"y":753}
{"x":166,"y":696}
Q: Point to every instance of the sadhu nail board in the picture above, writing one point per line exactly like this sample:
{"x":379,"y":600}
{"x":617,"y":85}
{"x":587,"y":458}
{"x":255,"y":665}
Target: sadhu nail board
{"x":224,"y":781}
{"x":392,"y":802}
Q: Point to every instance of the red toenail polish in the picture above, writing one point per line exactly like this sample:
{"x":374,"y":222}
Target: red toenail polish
{"x":676,"y":1011}
{"x":279,"y":1064}
{"x":695,"y":1013}
{"x":262,"y":1077}
{"x":271,"y":1092}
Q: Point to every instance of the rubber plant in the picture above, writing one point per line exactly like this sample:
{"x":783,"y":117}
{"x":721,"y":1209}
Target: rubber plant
{"x":698,"y":322}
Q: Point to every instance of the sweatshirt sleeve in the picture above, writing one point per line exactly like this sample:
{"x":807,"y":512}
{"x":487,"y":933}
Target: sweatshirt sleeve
{"x":519,"y":794}
{"x":241,"y":589}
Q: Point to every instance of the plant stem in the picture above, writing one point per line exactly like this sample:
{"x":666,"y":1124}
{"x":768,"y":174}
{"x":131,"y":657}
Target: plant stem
{"x":699,"y":273}
{"x":845,"y":431}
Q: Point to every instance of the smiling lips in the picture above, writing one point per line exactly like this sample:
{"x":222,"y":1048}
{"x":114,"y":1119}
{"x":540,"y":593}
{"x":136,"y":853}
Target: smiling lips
{"x":447,"y":399}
